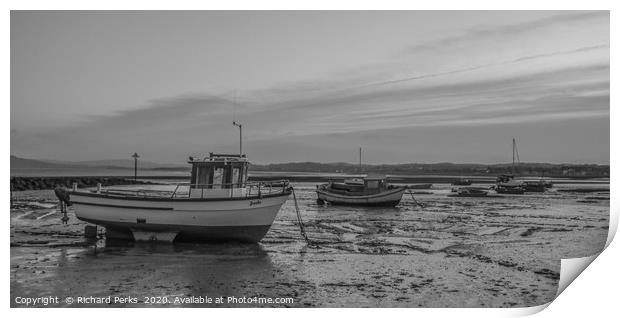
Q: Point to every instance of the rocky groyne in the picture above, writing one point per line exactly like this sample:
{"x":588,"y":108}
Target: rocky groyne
{"x":42,"y":183}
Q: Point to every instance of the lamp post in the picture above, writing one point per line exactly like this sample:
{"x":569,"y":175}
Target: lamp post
{"x":135,"y":166}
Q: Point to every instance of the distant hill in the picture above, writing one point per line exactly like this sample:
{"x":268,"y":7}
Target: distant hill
{"x":442,"y":168}
{"x":127,"y":164}
{"x":23,"y":163}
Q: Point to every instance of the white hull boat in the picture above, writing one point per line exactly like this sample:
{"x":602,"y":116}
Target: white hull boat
{"x":388,"y":198}
{"x":218,"y":204}
{"x":371,"y":191}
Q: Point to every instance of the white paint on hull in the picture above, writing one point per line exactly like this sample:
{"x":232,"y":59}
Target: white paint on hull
{"x":384,"y":197}
{"x":170,"y":213}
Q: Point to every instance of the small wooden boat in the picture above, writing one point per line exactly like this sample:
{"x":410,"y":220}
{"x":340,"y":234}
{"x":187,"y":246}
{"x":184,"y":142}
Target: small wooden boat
{"x":510,"y":188}
{"x":535,"y":186}
{"x":462,"y":182}
{"x":217,"y":204}
{"x":420,"y":186}
{"x":368,"y":191}
{"x":506,"y":184}
{"x":470,"y":192}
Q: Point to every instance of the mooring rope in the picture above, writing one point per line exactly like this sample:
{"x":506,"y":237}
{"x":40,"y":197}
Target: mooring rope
{"x":414,"y":200}
{"x":301,"y":223}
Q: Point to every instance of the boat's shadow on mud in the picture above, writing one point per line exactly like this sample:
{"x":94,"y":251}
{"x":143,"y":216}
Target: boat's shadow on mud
{"x":149,"y":268}
{"x":125,"y":247}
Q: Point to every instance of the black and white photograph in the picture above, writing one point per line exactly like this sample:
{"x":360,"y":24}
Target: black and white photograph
{"x":290,"y":158}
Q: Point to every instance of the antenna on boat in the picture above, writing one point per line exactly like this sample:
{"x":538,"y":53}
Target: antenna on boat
{"x":515,"y":152}
{"x":240,"y":137}
{"x":235,"y":123}
{"x":234,"y":105}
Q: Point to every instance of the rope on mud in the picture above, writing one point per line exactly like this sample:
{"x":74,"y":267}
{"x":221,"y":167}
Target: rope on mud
{"x":414,"y":200}
{"x":301,"y":223}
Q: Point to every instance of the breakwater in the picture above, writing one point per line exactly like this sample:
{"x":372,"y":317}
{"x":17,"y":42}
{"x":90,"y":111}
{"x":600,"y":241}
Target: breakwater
{"x":42,"y":183}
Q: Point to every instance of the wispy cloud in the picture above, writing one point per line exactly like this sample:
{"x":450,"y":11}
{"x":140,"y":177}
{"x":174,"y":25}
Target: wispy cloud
{"x":500,"y":33}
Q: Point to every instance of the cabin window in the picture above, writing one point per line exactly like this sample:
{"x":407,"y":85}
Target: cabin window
{"x":236,"y":173}
{"x":203,"y":176}
{"x":193,"y":177}
{"x":218,"y":178}
{"x":374,"y":184}
{"x":227,"y":183}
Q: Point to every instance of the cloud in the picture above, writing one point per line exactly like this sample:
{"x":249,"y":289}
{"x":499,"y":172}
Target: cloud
{"x":512,"y":30}
{"x":161,"y":111}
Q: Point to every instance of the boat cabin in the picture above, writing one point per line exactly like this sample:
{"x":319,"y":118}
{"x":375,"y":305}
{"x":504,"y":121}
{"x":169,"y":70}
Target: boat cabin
{"x":218,"y":175}
{"x":367,"y":185}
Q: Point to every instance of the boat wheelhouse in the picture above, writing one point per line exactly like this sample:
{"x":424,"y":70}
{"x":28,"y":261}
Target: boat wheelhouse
{"x":217,"y":204}
{"x":219,"y":175}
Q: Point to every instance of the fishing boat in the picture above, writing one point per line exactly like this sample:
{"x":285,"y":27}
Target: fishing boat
{"x":217,"y":204}
{"x":371,"y":190}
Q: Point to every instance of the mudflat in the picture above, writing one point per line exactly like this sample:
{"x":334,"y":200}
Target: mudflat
{"x":455,"y":252}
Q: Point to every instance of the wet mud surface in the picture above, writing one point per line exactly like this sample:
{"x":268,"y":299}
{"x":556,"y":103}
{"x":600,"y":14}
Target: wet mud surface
{"x":455,"y":252}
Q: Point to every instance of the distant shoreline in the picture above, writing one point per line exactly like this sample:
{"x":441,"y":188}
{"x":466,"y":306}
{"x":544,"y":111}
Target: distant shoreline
{"x":20,"y":183}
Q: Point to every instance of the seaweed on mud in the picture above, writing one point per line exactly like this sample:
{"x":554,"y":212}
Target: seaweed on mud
{"x":456,"y":218}
{"x":548,"y":273}
{"x":530,"y":231}
{"x":360,"y":286}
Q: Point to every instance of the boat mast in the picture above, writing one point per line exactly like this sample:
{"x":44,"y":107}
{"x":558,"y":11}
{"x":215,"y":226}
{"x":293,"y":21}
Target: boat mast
{"x":515,"y":154}
{"x":240,"y":137}
{"x":360,"y":159}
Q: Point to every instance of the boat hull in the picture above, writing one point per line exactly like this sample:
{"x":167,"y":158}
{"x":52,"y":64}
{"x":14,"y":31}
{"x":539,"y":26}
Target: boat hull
{"x":420,"y":186}
{"x":247,"y":219}
{"x":387,"y":198}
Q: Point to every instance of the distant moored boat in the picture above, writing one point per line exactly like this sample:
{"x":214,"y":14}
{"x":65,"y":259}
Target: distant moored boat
{"x":369,"y":191}
{"x":462,"y":182}
{"x":470,"y":192}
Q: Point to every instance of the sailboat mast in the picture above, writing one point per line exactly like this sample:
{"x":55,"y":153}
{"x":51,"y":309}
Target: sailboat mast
{"x":513,"y":155}
{"x":360,"y":159}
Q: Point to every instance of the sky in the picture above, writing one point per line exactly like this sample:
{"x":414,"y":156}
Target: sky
{"x":406,"y":86}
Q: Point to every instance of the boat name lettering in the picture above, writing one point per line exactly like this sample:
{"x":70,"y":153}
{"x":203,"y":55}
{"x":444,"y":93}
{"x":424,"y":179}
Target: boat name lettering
{"x":256,"y":202}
